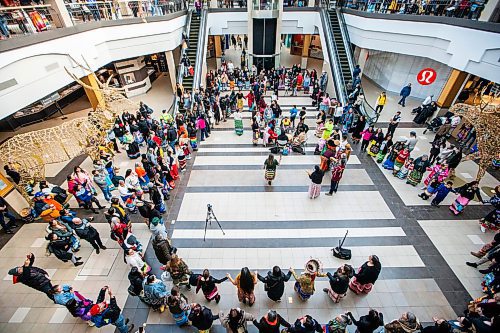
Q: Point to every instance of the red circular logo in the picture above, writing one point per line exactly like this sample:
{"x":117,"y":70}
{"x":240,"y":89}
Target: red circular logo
{"x":426,"y":76}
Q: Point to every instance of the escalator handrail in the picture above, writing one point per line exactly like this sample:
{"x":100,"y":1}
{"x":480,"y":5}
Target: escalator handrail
{"x":334,"y":62}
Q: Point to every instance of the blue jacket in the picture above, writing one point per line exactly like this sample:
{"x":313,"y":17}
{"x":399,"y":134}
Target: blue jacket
{"x":442,"y":191}
{"x":155,"y":290}
{"x":293,"y":112}
{"x":64,"y":297}
{"x":405,"y":91}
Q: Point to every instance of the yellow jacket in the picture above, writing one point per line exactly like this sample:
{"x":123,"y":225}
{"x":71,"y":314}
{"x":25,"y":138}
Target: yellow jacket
{"x":381,"y":99}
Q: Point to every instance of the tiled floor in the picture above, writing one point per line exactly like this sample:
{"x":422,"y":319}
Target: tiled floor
{"x":422,"y":249}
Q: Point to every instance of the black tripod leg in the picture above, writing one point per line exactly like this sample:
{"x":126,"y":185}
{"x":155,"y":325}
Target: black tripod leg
{"x":220,"y":226}
{"x":206,"y":224}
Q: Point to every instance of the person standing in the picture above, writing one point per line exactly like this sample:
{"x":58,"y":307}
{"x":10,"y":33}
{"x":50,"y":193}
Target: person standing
{"x":274,"y":283}
{"x":32,"y":276}
{"x":104,"y":313}
{"x":293,"y":114}
{"x":316,"y":178}
{"x":411,"y":142}
{"x":201,"y":317}
{"x":380,"y":103}
{"x":337,"y":173}
{"x":4,"y":212}
{"x":339,"y":282}
{"x":405,"y":92}
{"x":270,"y":166}
{"x":368,"y":323}
{"x":466,"y":193}
{"x":368,"y":273}
{"x":99,"y":178}
{"x":393,"y":123}
{"x":208,"y":285}
{"x":86,"y":231}
{"x":271,"y":323}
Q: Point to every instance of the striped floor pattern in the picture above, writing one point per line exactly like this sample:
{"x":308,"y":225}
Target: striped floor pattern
{"x":279,"y":225}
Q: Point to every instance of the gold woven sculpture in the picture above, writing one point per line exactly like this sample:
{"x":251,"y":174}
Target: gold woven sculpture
{"x":28,"y":153}
{"x":485,"y":118}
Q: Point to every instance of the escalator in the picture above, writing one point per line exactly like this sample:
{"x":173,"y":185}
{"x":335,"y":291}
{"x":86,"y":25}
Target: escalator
{"x":341,"y":58}
{"x":340,"y":46}
{"x":194,"y":31}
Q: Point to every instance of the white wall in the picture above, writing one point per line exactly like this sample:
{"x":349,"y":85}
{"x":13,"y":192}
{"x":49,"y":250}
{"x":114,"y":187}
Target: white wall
{"x":39,"y":68}
{"x":392,"y":71}
{"x":473,"y":51}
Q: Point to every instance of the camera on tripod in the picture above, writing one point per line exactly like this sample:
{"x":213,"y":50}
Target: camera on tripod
{"x":211,"y":217}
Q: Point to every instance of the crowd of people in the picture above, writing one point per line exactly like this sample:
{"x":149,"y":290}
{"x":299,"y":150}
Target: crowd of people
{"x":161,"y":147}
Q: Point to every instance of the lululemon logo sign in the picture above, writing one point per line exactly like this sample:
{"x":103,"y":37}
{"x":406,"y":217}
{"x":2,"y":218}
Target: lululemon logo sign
{"x":426,"y":76}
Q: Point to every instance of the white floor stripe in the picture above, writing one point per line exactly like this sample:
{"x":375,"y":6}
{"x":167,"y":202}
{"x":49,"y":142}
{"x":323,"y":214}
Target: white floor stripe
{"x":308,"y":160}
{"x":264,"y":258}
{"x":287,"y":233}
{"x":286,"y":177}
{"x":58,"y":316}
{"x":282,"y":206}
{"x":19,"y":315}
{"x":258,"y":149}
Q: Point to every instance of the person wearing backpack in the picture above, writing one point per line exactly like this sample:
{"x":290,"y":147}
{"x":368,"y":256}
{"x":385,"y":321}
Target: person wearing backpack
{"x":172,"y":137}
{"x":105,"y":313}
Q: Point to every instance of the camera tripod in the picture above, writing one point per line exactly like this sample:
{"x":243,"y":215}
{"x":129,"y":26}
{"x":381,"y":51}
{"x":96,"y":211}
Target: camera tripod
{"x":211,"y":217}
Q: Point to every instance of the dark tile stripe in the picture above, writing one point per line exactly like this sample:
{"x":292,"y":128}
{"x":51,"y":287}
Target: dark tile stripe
{"x":240,"y":145}
{"x":264,"y":188}
{"x":348,"y":224}
{"x":290,"y":242}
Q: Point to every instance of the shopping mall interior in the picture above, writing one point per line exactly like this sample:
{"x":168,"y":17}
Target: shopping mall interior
{"x":327,"y":166}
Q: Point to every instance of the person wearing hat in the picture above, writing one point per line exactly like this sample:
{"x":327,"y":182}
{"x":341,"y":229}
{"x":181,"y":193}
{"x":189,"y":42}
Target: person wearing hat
{"x":271,"y":322}
{"x":105,"y":313}
{"x":31,"y":276}
{"x":4,"y":213}
{"x":304,"y":285}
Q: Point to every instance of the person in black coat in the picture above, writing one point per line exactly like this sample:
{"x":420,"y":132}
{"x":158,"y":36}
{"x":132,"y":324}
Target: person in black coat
{"x":155,"y":196}
{"x":208,"y":285}
{"x":31,"y":276}
{"x":306,"y":324}
{"x":339,"y":282}
{"x":271,"y":323}
{"x":274,"y":283}
{"x":366,"y":276}
{"x":136,"y":279}
{"x":86,"y":231}
{"x":61,"y":248}
{"x":368,"y":323}
{"x":201,"y":317}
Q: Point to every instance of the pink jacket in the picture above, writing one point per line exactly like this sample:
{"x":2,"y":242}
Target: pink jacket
{"x":200,"y":123}
{"x":366,"y":135}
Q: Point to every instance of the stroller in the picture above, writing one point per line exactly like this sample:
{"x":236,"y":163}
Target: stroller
{"x":435,"y":124}
{"x":281,"y":145}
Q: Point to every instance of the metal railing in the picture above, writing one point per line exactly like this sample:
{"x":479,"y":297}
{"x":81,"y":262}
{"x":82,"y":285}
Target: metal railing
{"x":25,"y":20}
{"x":82,"y":12}
{"x":265,"y":4}
{"x":228,"y":4}
{"x":451,"y":8}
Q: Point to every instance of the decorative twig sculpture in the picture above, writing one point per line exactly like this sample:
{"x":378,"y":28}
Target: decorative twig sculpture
{"x":485,"y":118}
{"x":28,"y":153}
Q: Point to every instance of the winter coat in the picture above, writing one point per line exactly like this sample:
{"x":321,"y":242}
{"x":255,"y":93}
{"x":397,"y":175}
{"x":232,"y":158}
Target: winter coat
{"x":85,"y":230}
{"x":406,"y":91}
{"x":163,"y":249}
{"x":298,"y":327}
{"x":202,"y":321}
{"x":32,"y":276}
{"x":110,"y":314}
{"x":224,"y":320}
{"x":265,"y":327}
{"x":155,"y":293}
{"x":60,"y":248}
{"x":338,"y":282}
{"x":274,"y":285}
{"x":368,"y":274}
{"x":365,"y":324}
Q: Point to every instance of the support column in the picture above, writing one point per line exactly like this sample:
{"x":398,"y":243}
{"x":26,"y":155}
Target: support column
{"x":172,"y":72}
{"x":279,"y":23}
{"x":60,"y":13}
{"x":363,"y":56}
{"x":250,"y":35}
{"x":305,"y":50}
{"x":488,"y":10}
{"x":452,"y":88}
{"x":94,"y":95}
{"x":218,"y":51}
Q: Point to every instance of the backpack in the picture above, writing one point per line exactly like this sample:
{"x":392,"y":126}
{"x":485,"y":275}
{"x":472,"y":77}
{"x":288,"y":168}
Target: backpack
{"x":171,"y":134}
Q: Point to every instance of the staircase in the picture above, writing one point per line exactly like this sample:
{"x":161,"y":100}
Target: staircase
{"x":339,"y":44}
{"x":194,"y":31}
